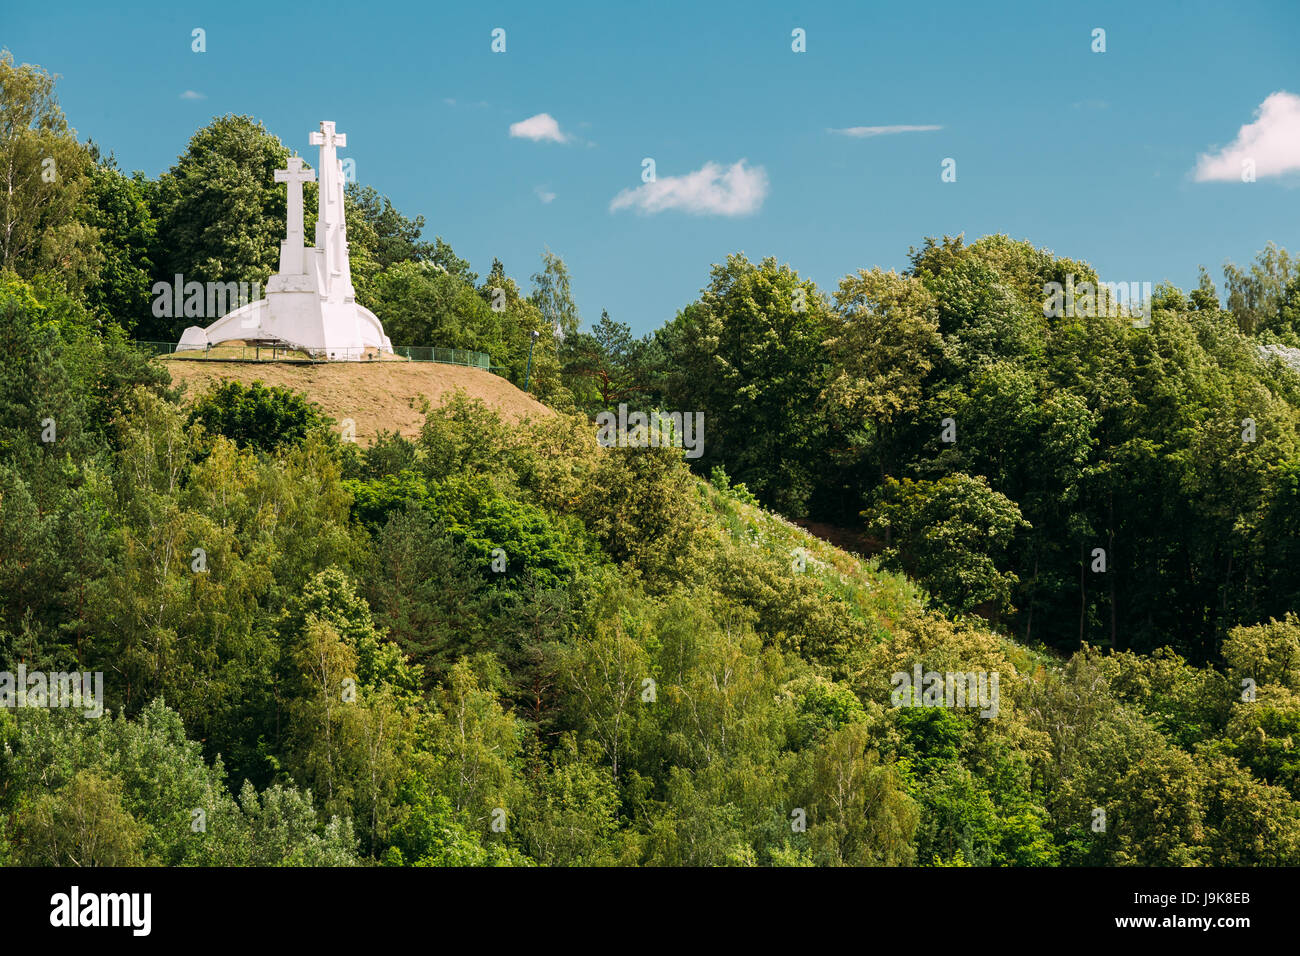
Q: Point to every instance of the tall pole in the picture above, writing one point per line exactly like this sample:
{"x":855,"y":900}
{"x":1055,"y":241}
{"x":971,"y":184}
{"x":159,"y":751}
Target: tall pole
{"x":529,"y":371}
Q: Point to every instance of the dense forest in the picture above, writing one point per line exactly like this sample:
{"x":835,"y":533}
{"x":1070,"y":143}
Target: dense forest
{"x":504,"y":644}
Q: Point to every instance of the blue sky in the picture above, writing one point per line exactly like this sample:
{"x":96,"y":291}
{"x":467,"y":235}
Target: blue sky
{"x":1092,"y":155}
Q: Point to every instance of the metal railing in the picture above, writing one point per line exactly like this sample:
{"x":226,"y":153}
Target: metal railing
{"x":282,"y":353}
{"x":428,"y":353}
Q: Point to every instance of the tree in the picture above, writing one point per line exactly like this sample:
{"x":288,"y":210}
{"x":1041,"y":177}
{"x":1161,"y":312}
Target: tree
{"x":393,"y":238}
{"x":221,"y":213}
{"x":573,"y":808}
{"x":43,"y":176}
{"x":1261,"y":735}
{"x":255,"y":416}
{"x":888,"y":343}
{"x":1247,"y":823}
{"x":749,"y":355}
{"x":642,"y":508}
{"x":282,"y":830}
{"x":605,"y":677}
{"x":860,"y":815}
{"x":1204,"y":298}
{"x":1266,"y":653}
{"x":476,"y":743}
{"x":428,"y":591}
{"x":82,"y":824}
{"x":608,"y":360}
{"x":118,"y":206}
{"x":981,"y":317}
{"x":952,"y":534}
{"x":882,"y":353}
{"x":1254,"y":296}
{"x":520,"y":318}
{"x":421,"y":304}
{"x":552,"y":296}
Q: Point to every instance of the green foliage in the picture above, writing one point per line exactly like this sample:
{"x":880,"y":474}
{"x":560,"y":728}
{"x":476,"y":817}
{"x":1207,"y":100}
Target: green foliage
{"x":822,"y":707}
{"x":737,"y":491}
{"x":255,"y":416}
{"x":120,"y":209}
{"x":420,"y":303}
{"x":118,"y":792}
{"x":1262,"y":736}
{"x":608,"y":366}
{"x":382,"y":235}
{"x":220,"y":212}
{"x":1266,"y":653}
{"x":46,"y":177}
{"x":650,"y":680}
{"x":951,"y":533}
{"x":1257,"y":297}
{"x":749,"y":355}
{"x":428,"y":591}
{"x":552,"y":297}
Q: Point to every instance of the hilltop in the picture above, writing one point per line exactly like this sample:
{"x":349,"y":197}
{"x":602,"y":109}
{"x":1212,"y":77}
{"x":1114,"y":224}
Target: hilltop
{"x":378,"y":397}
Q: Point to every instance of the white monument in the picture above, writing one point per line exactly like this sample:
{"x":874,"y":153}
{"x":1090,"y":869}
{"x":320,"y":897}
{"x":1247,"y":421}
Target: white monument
{"x":310,"y":303}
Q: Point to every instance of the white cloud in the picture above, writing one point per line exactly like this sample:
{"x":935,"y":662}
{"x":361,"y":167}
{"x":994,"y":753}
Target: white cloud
{"x":1272,"y":141}
{"x":858,"y":132}
{"x":544,"y":194}
{"x":737,"y":190}
{"x":191,"y":95}
{"x":539,"y":128}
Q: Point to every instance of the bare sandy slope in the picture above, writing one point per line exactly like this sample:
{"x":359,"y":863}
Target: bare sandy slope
{"x":379,"y":396}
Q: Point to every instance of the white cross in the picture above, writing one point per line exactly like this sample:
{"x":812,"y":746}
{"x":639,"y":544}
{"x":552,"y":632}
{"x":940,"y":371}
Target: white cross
{"x":291,"y":251}
{"x":296,"y":173}
{"x":327,"y":136}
